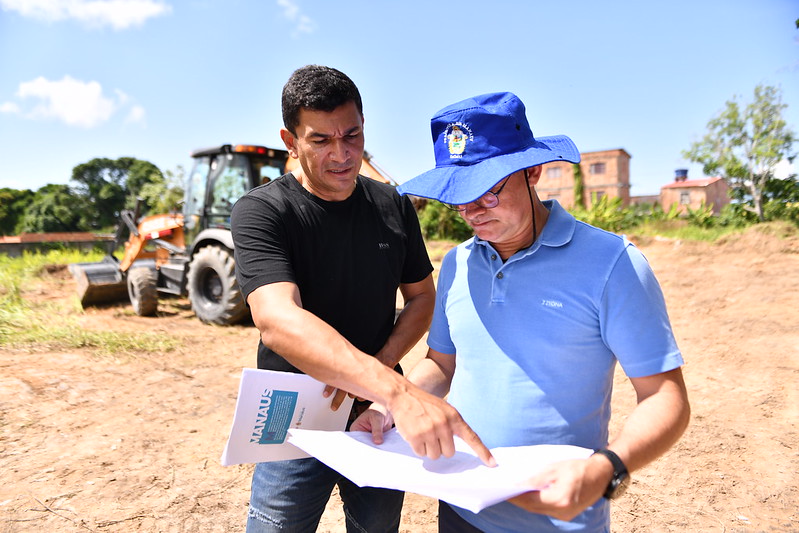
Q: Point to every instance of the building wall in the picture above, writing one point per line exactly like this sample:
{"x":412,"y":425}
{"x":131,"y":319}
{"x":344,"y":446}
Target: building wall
{"x":605,"y":173}
{"x":718,"y":195}
{"x":692,"y":196}
{"x":649,"y":199}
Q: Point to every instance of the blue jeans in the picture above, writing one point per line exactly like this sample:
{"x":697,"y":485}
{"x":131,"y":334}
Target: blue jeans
{"x":290,"y":497}
{"x":451,"y":522}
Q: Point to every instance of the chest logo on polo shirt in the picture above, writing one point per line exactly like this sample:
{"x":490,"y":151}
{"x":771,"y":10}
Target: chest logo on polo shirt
{"x":552,"y":303}
{"x":383,"y":245}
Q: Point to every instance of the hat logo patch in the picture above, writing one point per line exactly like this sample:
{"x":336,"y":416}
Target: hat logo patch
{"x":457,"y":135}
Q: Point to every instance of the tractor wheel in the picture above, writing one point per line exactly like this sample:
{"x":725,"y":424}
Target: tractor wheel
{"x":143,"y":291}
{"x":215,"y":296}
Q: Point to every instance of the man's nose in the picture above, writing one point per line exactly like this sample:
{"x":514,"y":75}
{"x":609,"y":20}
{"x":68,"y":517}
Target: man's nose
{"x":340,"y":151}
{"x":473,"y":208}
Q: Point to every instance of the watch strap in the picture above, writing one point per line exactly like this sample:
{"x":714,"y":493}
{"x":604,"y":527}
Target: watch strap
{"x":620,"y":472}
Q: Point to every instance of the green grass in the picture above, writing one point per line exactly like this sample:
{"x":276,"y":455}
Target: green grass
{"x":28,"y":325}
{"x":16,"y":272}
{"x":682,"y":230}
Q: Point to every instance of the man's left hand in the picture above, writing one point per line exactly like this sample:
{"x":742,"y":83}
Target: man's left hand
{"x":568,"y":488}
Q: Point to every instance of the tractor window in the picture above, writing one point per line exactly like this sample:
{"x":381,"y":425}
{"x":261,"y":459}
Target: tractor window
{"x":230,"y":184}
{"x":195,"y":187}
{"x":266,"y":171}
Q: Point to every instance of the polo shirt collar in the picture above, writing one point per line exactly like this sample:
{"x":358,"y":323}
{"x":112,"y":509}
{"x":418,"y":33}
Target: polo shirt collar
{"x":558,"y":231}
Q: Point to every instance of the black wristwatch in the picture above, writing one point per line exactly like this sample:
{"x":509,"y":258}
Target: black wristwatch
{"x":621,"y":477}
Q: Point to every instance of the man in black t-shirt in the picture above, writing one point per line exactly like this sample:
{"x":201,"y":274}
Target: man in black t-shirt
{"x":320,"y":254}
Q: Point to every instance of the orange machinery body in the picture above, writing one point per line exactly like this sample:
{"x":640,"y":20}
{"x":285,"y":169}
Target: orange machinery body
{"x":167,"y":228}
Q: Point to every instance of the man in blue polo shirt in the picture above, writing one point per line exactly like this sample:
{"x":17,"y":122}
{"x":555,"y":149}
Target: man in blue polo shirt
{"x":531,"y":316}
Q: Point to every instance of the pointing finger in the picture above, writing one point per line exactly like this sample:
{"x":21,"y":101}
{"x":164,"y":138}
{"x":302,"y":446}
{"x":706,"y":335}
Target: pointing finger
{"x":468,"y":435}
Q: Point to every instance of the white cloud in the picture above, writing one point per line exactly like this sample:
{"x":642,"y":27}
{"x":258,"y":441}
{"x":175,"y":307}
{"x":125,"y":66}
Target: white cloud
{"x":119,"y":14}
{"x":73,"y":102}
{"x":9,"y":107}
{"x":305,"y":25}
{"x":136,"y":115}
{"x":121,"y":96}
{"x":302,"y":23}
{"x":290,"y":9}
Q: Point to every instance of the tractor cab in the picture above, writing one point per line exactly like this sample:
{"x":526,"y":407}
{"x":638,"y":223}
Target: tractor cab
{"x":220,"y":176}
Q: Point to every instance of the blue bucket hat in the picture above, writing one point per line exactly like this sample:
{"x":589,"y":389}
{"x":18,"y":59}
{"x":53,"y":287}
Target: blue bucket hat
{"x":477,"y":143}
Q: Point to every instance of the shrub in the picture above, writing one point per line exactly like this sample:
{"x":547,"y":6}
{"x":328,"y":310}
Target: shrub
{"x":779,"y":210}
{"x":438,"y":222}
{"x":702,"y":216}
{"x":605,"y":213}
{"x":735,"y":216}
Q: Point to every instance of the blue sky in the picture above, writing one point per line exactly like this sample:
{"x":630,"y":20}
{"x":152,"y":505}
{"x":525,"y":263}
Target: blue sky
{"x":155,"y":79}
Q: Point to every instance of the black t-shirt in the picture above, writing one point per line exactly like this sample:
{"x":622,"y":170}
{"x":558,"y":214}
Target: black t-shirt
{"x":347,"y":258}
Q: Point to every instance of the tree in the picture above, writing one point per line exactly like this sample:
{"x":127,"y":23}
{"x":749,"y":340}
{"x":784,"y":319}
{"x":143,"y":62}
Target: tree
{"x":55,"y":208}
{"x":745,"y":144}
{"x":13,"y":203}
{"x":142,"y":174}
{"x":101,"y":183}
{"x":579,"y":187}
{"x":110,"y":185}
{"x":166,"y":195}
{"x":785,"y":189}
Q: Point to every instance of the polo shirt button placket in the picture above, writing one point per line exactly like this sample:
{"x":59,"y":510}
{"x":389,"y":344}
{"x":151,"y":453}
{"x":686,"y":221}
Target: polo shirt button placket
{"x":498,"y":288}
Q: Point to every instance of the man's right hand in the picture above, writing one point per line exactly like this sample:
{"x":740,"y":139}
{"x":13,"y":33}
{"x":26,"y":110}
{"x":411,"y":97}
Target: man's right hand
{"x":428,"y":424}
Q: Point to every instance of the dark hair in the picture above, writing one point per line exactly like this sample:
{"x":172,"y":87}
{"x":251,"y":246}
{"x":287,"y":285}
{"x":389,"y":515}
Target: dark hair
{"x":317,"y":88}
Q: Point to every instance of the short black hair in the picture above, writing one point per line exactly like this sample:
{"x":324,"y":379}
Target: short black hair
{"x":317,"y":88}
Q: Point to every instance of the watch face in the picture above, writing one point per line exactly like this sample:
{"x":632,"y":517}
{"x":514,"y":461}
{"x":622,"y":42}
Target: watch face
{"x":619,"y":486}
{"x":621,"y":477}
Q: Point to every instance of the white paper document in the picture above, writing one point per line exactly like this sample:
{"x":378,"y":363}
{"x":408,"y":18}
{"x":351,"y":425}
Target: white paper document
{"x":462,"y":480}
{"x":269,"y":404}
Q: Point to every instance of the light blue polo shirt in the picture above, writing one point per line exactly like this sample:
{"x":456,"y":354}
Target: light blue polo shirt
{"x":537,"y":339}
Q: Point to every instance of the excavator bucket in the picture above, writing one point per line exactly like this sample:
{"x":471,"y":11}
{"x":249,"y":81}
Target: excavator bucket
{"x":99,"y":283}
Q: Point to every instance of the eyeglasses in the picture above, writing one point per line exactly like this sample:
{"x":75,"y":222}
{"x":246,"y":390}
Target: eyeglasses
{"x":488,"y":201}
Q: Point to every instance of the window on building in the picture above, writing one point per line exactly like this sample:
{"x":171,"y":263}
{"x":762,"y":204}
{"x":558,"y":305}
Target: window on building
{"x":553,"y":172}
{"x":598,"y":195}
{"x":597,"y":168}
{"x":685,"y":197}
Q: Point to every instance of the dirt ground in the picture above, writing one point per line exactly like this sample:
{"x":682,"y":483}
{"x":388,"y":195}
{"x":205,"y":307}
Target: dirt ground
{"x":132,"y":443}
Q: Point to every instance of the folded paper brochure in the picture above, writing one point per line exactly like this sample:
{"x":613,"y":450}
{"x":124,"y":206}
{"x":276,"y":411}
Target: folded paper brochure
{"x":269,"y":404}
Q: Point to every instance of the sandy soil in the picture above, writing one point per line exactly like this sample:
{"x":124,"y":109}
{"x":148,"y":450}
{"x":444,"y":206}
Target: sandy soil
{"x":132,"y":442}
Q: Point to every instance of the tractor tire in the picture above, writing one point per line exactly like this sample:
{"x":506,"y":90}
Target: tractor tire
{"x":214,"y":294}
{"x":143,"y":291}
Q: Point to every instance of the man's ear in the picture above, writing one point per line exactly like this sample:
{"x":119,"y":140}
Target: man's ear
{"x":533,"y":175}
{"x":290,"y":141}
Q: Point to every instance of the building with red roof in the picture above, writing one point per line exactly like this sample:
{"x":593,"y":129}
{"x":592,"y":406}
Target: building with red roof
{"x":691,"y":194}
